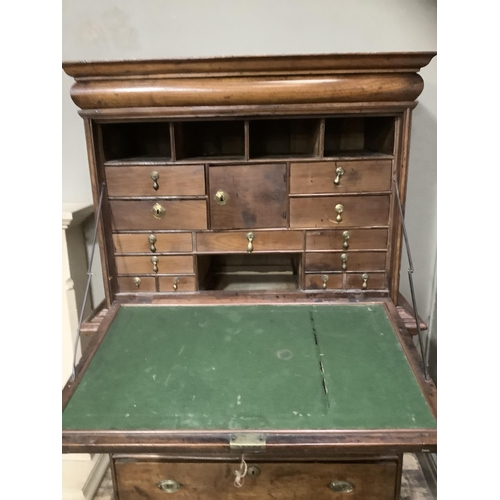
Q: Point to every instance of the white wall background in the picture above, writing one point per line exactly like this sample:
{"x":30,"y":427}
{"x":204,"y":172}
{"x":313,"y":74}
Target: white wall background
{"x":128,"y":29}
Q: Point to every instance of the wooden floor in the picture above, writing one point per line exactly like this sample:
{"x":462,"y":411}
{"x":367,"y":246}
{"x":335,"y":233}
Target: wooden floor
{"x":413,"y":485}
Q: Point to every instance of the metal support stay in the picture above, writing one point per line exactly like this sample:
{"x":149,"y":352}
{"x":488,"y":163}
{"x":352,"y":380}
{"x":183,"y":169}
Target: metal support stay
{"x":87,"y":286}
{"x":410,"y":279}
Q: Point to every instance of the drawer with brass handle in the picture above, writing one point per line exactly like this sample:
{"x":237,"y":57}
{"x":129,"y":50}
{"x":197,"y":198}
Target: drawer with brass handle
{"x":176,"y":283}
{"x":347,"y":239}
{"x":345,"y":261}
{"x":155,"y":264}
{"x":154,"y":215}
{"x":179,"y":180}
{"x":136,"y":284}
{"x":366,"y":281}
{"x":340,"y":176}
{"x":335,"y":212}
{"x":239,"y":241}
{"x":155,"y":480}
{"x":323,"y":281}
{"x":152,"y":242}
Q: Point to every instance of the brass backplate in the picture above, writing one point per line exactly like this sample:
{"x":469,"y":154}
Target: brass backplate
{"x":158,"y":211}
{"x":247,"y":441}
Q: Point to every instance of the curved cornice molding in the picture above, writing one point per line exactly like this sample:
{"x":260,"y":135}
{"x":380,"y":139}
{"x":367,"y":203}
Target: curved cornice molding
{"x":336,"y":78}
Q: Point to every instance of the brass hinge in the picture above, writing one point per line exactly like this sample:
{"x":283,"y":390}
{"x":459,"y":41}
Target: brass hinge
{"x":249,"y":441}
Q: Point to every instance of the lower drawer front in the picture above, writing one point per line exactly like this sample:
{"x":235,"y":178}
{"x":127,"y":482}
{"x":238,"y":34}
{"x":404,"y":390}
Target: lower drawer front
{"x":277,"y":481}
{"x":156,"y":264}
{"x":347,"y":261}
{"x":176,"y":283}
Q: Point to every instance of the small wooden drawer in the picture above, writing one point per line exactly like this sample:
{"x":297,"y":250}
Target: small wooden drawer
{"x":179,"y":214}
{"x":356,"y":261}
{"x":374,"y":281}
{"x":323,"y":211}
{"x":166,"y":264}
{"x":181,"y":180}
{"x":176,"y":284}
{"x":153,"y":242}
{"x":264,"y":481}
{"x":136,"y":284}
{"x":342,"y":239}
{"x":263,"y":241}
{"x":323,"y":281}
{"x":340,"y":176}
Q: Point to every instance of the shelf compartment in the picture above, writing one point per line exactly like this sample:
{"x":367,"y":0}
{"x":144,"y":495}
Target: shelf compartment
{"x":277,"y":272}
{"x":282,"y":138}
{"x":210,"y":140}
{"x":136,"y":141}
{"x":359,"y":136}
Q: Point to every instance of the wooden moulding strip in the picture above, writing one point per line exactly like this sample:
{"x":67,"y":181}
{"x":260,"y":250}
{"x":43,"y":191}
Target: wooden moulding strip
{"x":85,"y":360}
{"x":300,"y":442}
{"x":297,"y":64}
{"x":414,"y":359}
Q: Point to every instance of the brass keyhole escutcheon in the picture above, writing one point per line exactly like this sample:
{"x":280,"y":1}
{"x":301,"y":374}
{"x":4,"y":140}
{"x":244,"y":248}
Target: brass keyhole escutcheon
{"x":346,"y":236}
{"x":176,"y":282}
{"x":154,"y":261}
{"x":324,"y":279}
{"x":250,"y":238}
{"x":169,"y":485}
{"x":341,"y":486}
{"x":253,"y":471}
{"x":339,"y":171}
{"x":365,"y":278}
{"x":158,"y":211}
{"x":221,"y":197}
{"x":152,"y":241}
{"x":155,"y":176}
{"x":137,"y":282}
{"x":339,"y":209}
{"x":343,"y":258}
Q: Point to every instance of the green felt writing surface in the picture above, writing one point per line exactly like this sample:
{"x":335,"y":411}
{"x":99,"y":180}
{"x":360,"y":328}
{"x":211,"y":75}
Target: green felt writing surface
{"x":249,"y":367}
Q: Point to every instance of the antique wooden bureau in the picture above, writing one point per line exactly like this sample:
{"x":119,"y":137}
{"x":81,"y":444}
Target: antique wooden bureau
{"x":251,"y":242}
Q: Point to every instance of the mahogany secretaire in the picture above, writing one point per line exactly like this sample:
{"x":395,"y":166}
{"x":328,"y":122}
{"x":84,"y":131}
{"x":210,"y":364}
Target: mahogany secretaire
{"x":251,"y":238}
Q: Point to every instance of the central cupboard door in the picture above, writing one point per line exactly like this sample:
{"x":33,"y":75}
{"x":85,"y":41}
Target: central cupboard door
{"x":248,"y":196}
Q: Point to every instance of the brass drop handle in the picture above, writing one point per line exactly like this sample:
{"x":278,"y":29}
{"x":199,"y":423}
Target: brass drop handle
{"x":365,"y":278}
{"x":154,"y":261}
{"x":324,"y":279}
{"x":155,"y":176}
{"x":250,"y":238}
{"x":340,"y":172}
{"x":221,"y":197}
{"x":152,"y":241}
{"x":339,"y":209}
{"x":176,"y":282}
{"x":169,"y":485}
{"x":343,"y":258}
{"x":346,"y":236}
{"x":137,"y":282}
{"x":341,"y":486}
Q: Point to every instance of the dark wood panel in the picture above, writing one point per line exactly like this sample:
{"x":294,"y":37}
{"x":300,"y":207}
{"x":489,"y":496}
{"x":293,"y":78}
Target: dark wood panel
{"x":356,"y":261}
{"x":356,"y":239}
{"x":256,"y":196}
{"x":273,"y":481}
{"x":357,"y":211}
{"x":185,"y":180}
{"x":167,"y":264}
{"x":263,"y":241}
{"x":356,"y":176}
{"x":165,"y":242}
{"x":180,"y":214}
